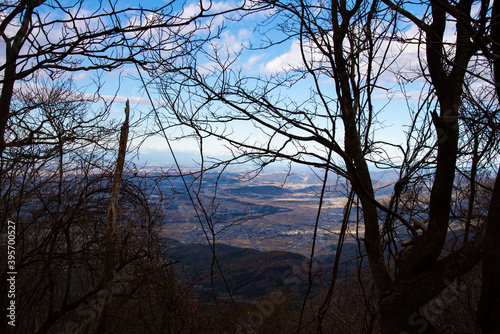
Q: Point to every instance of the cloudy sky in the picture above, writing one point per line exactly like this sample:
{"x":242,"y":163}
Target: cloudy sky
{"x":241,"y":37}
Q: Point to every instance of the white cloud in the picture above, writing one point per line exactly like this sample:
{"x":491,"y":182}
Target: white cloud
{"x":250,"y":63}
{"x":81,"y":76}
{"x":210,"y":8}
{"x":231,"y":43}
{"x":291,"y":59}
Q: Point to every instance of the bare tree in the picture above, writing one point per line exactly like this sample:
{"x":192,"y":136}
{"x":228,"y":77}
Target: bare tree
{"x":489,"y":304}
{"x":56,"y":183}
{"x":55,"y":166}
{"x":54,"y":38}
{"x":352,"y":44}
{"x":111,"y":218}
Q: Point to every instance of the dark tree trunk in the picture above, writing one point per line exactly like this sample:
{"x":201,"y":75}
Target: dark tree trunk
{"x":399,"y":316}
{"x":109,"y":255}
{"x":400,"y":307}
{"x":489,"y":305}
{"x":13,"y":47}
{"x":5,"y":99}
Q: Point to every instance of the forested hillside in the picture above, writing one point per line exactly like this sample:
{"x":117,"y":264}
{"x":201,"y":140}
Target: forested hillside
{"x":250,"y":166}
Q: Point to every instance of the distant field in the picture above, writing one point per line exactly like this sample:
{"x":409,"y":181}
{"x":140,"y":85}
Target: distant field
{"x":269,"y":217}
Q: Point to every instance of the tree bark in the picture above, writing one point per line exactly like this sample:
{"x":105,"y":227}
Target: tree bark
{"x":400,"y":308}
{"x":489,"y":304}
{"x":109,"y":257}
{"x":12,"y":48}
{"x":448,"y":82}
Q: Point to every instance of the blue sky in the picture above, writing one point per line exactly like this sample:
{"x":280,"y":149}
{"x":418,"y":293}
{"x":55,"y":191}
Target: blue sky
{"x":237,"y":37}
{"x":123,"y":83}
